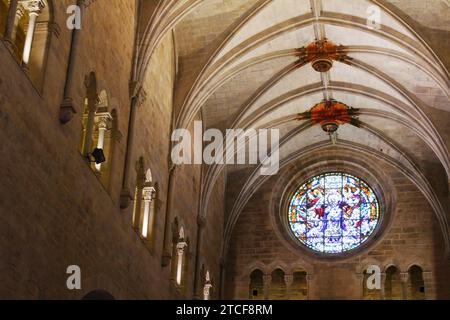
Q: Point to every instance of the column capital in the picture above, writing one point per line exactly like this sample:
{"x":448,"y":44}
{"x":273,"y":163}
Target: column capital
{"x":103,"y":120}
{"x":33,"y":6}
{"x":404,"y":276}
{"x":148,"y":193}
{"x":137,"y":93}
{"x":267,"y":279}
{"x":288,"y":279}
{"x":181,"y":246}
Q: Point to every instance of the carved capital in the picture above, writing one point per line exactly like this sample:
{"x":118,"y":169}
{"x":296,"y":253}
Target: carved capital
{"x":148,"y":193}
{"x":66,"y":111}
{"x":137,"y":93}
{"x":267,"y":279}
{"x":288,"y":279}
{"x":181,"y":247}
{"x":404,"y":276}
{"x":33,"y":6}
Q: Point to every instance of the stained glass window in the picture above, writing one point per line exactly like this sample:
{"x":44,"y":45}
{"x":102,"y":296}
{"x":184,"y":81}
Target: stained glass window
{"x":333,"y":213}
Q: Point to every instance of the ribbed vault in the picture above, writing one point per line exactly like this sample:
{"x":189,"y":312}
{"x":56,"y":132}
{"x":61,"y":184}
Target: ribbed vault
{"x":240,"y":67}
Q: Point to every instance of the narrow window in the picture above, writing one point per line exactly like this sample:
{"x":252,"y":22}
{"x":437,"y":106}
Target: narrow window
{"x":256,"y":288}
{"x":416,"y":284}
{"x":393,"y":284}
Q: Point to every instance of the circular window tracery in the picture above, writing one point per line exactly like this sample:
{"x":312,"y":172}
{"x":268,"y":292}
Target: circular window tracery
{"x":333,"y":213}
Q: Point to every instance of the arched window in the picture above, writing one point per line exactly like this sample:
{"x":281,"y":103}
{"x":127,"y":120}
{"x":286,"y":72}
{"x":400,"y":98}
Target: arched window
{"x":393,"y":284}
{"x":277,"y":285}
{"x":416,"y":284}
{"x":26,"y":26}
{"x":256,"y":288}
{"x":207,"y":286}
{"x":299,"y":287}
{"x":333,"y":213}
{"x":98,"y":131}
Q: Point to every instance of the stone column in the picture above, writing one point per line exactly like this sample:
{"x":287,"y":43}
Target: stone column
{"x":206,"y":290}
{"x":102,"y":128}
{"x":167,"y":251}
{"x":92,"y":104}
{"x":67,"y":109}
{"x":383,"y":286}
{"x":428,"y":285}
{"x":288,"y":280}
{"x":404,"y":276}
{"x":207,"y":286}
{"x":34,"y":8}
{"x":267,"y":279}
{"x":181,"y":247}
{"x":147,"y":219}
{"x":15,"y":13}
{"x":222,"y":279}
{"x":138,"y":97}
{"x":360,"y":280}
{"x":140,"y":183}
{"x":201,"y":223}
{"x":309,"y":279}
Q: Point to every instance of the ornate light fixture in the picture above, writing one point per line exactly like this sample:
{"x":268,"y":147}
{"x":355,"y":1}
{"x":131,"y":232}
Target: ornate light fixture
{"x":321,"y":54}
{"x":330,"y":114}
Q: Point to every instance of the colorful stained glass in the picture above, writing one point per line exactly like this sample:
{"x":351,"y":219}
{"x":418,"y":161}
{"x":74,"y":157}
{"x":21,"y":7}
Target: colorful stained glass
{"x":333,"y":213}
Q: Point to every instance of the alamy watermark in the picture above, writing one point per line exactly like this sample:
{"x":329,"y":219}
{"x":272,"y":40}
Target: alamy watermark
{"x":238,"y":147}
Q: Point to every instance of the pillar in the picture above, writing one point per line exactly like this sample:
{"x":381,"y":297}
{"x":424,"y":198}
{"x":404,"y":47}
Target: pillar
{"x":140,"y":183}
{"x":67,"y":109}
{"x":167,"y":251}
{"x":181,"y":247}
{"x":92,"y":100}
{"x":360,"y":280}
{"x":288,"y":280}
{"x":15,"y":13}
{"x":34,"y":8}
{"x":404,"y":277}
{"x":102,"y":128}
{"x":138,"y":97}
{"x":383,"y":286}
{"x":309,"y":279}
{"x":267,"y":279}
{"x":428,"y":285}
{"x":148,"y":216}
{"x":201,"y":223}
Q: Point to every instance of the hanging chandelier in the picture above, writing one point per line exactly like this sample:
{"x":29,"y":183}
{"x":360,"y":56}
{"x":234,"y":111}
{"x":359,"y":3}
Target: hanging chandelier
{"x":321,"y":54}
{"x":330,"y":114}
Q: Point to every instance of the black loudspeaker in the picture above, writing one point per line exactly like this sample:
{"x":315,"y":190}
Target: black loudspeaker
{"x":99,"y":156}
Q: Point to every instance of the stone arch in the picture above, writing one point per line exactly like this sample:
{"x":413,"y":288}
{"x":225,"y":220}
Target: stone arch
{"x":393,"y":283}
{"x":256,"y":285}
{"x":416,"y":283}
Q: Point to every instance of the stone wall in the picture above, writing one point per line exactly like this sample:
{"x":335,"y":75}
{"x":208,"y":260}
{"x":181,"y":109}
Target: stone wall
{"x":413,"y":237}
{"x":54,"y":211}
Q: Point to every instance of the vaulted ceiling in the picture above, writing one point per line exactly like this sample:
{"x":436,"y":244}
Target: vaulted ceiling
{"x":239,"y":67}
